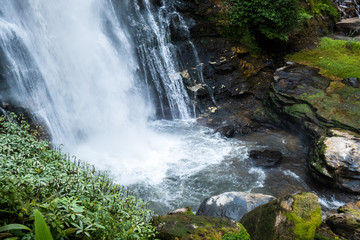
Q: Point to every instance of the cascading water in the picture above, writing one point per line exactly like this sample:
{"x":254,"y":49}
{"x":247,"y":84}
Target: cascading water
{"x":73,"y":64}
{"x":158,"y":57}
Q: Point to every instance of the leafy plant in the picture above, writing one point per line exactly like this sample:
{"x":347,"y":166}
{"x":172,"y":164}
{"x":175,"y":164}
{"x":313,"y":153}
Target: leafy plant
{"x":76,"y":200}
{"x":274,"y":19}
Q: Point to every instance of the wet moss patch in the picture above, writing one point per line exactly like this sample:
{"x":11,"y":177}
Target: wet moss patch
{"x":335,"y":58}
{"x":185,"y":226}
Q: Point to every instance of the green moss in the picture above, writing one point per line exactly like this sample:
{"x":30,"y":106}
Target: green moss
{"x":299,"y":111}
{"x":306,"y":215}
{"x":341,"y":107}
{"x":335,"y":58}
{"x":241,"y":235}
{"x":184,"y":226}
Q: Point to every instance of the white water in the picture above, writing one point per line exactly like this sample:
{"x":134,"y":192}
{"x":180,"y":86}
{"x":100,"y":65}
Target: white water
{"x":72,"y":63}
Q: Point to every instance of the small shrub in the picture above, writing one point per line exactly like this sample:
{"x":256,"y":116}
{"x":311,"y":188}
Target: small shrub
{"x":77,"y":202}
{"x":274,"y":19}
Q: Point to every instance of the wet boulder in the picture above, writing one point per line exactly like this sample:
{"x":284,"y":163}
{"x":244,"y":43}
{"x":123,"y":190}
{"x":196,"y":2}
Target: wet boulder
{"x":290,"y":217}
{"x":336,"y":160}
{"x":346,"y":222}
{"x":267,"y":158}
{"x":232,"y":205}
{"x":185,"y":225}
{"x":226,"y":131}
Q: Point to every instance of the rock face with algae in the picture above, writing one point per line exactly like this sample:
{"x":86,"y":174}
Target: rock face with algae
{"x":291,"y":217}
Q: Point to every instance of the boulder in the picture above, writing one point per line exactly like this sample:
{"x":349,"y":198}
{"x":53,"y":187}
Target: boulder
{"x":267,"y":158}
{"x":336,"y":160}
{"x":290,"y":217}
{"x":346,"y":222}
{"x":226,"y":131}
{"x":232,"y":205}
{"x":187,"y":226}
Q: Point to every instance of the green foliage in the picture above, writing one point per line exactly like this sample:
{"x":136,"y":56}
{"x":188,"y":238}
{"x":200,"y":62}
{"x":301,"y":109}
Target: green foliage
{"x":274,"y":19}
{"x":241,"y":235}
{"x":77,"y":202}
{"x":42,"y":231}
{"x":337,"y":58}
{"x":322,"y":7}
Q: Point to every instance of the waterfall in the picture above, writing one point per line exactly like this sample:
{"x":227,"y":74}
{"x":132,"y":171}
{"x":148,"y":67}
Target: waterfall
{"x":72,"y":64}
{"x":97,"y":71}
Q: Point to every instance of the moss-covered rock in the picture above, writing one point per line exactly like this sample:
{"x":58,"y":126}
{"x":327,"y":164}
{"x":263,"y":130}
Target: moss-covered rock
{"x":291,"y":217}
{"x":336,"y":160}
{"x":187,"y":226}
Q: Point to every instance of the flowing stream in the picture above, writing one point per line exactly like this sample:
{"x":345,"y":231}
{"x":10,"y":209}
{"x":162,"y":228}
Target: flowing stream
{"x":98,"y":75}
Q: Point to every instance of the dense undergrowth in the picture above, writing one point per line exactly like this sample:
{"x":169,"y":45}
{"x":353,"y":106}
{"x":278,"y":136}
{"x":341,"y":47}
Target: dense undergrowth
{"x":77,"y":202}
{"x":335,"y":58}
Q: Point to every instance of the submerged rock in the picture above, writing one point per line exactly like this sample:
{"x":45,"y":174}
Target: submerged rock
{"x":336,"y":160}
{"x":291,"y":217}
{"x":346,"y":222}
{"x":232,"y":205}
{"x":267,"y":158}
{"x":187,"y":226}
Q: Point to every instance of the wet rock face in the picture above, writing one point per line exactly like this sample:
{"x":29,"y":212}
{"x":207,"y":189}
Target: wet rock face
{"x":232,"y":205}
{"x":338,"y":161}
{"x":313,"y":102}
{"x":291,"y":217}
{"x":346,"y":222}
{"x":267,"y":158}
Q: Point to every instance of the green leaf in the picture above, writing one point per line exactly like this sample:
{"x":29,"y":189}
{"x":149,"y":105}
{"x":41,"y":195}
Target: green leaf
{"x":42,"y":231}
{"x":14,"y":227}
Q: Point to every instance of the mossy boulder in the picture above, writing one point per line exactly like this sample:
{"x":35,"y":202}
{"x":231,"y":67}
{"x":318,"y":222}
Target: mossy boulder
{"x":291,"y":217}
{"x":188,"y":226}
{"x":346,"y":222}
{"x":335,"y":160}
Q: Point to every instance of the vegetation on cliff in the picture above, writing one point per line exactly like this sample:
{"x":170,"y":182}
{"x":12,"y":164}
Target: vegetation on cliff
{"x":76,"y":201}
{"x":273,"y":19}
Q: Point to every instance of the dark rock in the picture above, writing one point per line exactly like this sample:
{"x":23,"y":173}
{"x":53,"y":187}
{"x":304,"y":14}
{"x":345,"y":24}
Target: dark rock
{"x":266,"y":158}
{"x":347,"y":222}
{"x":232,"y":205}
{"x":351,"y":82}
{"x":324,"y":232}
{"x":291,"y":217}
{"x":185,"y":226}
{"x":226,"y":131}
